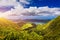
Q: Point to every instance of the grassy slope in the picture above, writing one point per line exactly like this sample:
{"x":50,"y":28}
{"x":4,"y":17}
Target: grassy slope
{"x":7,"y":23}
{"x":7,"y":27}
{"x":49,"y":31}
{"x":52,"y":29}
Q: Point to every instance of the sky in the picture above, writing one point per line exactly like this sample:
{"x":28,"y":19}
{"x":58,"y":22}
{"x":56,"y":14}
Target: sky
{"x":40,"y":3}
{"x":17,"y":8}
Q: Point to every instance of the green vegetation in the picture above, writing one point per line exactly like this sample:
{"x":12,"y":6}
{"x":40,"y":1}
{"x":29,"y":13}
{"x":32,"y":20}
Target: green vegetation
{"x":29,"y":31}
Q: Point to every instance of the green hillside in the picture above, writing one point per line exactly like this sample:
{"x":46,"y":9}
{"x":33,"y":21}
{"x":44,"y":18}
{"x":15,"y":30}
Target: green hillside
{"x":7,"y":28}
{"x":7,"y":23}
{"x":29,"y":31}
{"x":52,"y":29}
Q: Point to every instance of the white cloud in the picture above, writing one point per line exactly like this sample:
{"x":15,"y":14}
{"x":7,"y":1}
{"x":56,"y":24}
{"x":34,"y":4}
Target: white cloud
{"x":12,"y":2}
{"x":8,"y":2}
{"x":42,"y":11}
{"x":20,"y":11}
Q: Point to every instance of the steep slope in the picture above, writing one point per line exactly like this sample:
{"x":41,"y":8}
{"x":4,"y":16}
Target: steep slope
{"x":52,"y":29}
{"x":7,"y":24}
{"x":8,"y":29}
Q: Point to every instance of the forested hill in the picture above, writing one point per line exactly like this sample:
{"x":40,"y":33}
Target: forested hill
{"x":52,"y":29}
{"x":29,"y":31}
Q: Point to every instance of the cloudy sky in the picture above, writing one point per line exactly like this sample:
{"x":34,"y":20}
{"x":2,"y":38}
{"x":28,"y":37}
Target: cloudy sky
{"x":17,"y":8}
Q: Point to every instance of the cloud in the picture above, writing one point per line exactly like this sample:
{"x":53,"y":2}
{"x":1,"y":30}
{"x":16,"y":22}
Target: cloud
{"x":31,"y":11}
{"x":12,"y":2}
{"x":8,"y":2}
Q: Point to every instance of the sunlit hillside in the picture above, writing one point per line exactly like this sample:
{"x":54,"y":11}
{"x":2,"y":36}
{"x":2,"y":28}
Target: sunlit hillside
{"x":52,"y":29}
{"x":7,"y":23}
{"x":7,"y":27}
{"x":29,"y":31}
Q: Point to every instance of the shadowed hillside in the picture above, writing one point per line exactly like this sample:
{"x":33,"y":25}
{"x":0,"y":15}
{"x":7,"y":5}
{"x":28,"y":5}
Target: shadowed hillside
{"x":21,"y":23}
